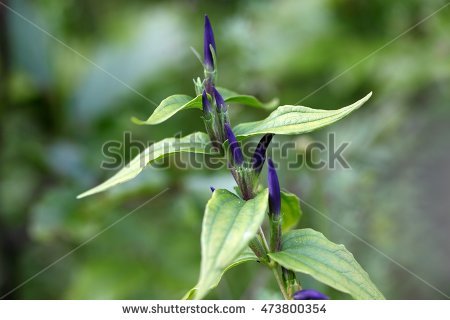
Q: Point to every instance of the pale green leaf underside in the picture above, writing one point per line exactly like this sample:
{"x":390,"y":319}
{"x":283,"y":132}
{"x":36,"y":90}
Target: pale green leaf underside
{"x":246,"y":255}
{"x":196,"y":143}
{"x":171,"y":105}
{"x":296,"y":119}
{"x":291,"y":212}
{"x":309,"y":252}
{"x":229,"y":224}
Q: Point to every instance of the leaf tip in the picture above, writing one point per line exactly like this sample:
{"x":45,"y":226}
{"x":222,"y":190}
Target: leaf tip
{"x":137,"y":121}
{"x":85,"y":194}
{"x":81,"y":195}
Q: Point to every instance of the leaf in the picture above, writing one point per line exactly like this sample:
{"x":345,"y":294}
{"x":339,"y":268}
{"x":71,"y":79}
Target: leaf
{"x":169,"y":106}
{"x":291,"y":212}
{"x":295,"y":120}
{"x":233,"y":97}
{"x":308,"y":251}
{"x":196,"y":143}
{"x":228,"y":226}
{"x":246,"y":255}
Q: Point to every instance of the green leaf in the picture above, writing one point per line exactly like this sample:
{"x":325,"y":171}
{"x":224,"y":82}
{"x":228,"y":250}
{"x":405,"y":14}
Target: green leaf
{"x":246,"y":255}
{"x":308,"y":251}
{"x":295,"y":120}
{"x":229,"y":224}
{"x":169,"y":106}
{"x":196,"y":143}
{"x":233,"y":97}
{"x":291,"y":212}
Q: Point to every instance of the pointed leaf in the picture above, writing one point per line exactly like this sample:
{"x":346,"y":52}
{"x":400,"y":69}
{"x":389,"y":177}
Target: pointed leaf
{"x":251,"y":101}
{"x":246,"y":255}
{"x":295,"y":120}
{"x":291,"y":212}
{"x":169,"y":106}
{"x":196,"y":143}
{"x":228,"y":226}
{"x":308,"y":251}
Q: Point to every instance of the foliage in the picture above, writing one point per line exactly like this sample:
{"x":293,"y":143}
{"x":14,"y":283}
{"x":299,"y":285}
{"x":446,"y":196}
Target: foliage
{"x":230,"y":222}
{"x":58,"y":109}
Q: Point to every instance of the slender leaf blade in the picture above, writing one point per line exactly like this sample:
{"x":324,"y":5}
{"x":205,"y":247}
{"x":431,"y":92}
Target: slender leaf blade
{"x":198,"y":142}
{"x":248,"y":100}
{"x":170,"y":106}
{"x":229,"y":224}
{"x":308,"y":251}
{"x":288,"y":120}
{"x":178,"y":102}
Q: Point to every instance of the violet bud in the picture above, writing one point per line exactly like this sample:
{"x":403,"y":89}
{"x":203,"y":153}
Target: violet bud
{"x":309,"y":294}
{"x":221,"y":106}
{"x":212,"y":189}
{"x":207,"y":42}
{"x":206,"y":104}
{"x":238,"y":157}
{"x":259,"y":156}
{"x":274,"y":190}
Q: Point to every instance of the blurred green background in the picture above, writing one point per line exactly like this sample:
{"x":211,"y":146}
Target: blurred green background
{"x":57,"y":109}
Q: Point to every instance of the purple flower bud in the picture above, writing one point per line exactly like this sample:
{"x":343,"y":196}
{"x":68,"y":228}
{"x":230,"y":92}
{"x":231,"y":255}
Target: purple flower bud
{"x":309,"y":294}
{"x":207,"y":41}
{"x":259,"y":156}
{"x":235,"y":148}
{"x":221,"y":106}
{"x":206,"y":104}
{"x":274,"y":190}
{"x":212,"y":189}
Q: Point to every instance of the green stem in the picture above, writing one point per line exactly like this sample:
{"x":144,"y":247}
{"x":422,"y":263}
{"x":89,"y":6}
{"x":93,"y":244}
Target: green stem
{"x":274,"y":266}
{"x":280,"y":282}
{"x":245,"y":183}
{"x":264,"y":241}
{"x":275,"y":234}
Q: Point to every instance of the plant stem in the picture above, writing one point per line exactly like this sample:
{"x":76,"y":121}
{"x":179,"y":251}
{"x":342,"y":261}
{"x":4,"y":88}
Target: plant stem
{"x":280,"y":282}
{"x":275,"y":234}
{"x":264,"y":241}
{"x":274,"y":266}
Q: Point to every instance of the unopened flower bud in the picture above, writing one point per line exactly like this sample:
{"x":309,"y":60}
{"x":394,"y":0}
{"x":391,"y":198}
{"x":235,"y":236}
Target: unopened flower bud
{"x":238,"y":157}
{"x":309,"y":294}
{"x":259,"y":156}
{"x":208,"y":42}
{"x":274,"y":190}
{"x":220,"y":102}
